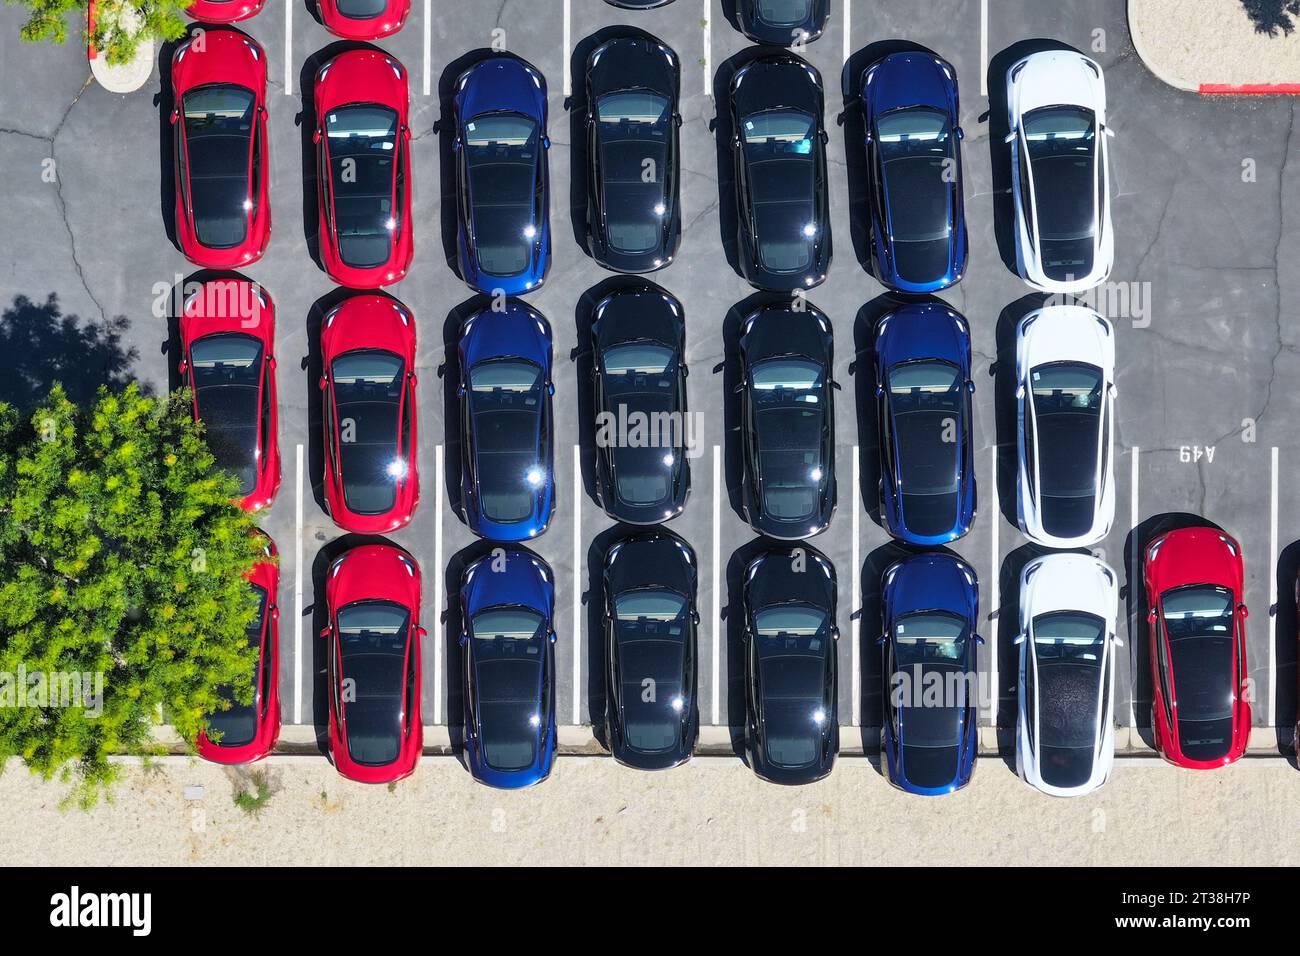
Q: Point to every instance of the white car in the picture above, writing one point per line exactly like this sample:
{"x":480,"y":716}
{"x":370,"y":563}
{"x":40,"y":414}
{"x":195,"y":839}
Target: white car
{"x":1060,"y":174}
{"x":1065,"y":722}
{"x":1065,"y":397}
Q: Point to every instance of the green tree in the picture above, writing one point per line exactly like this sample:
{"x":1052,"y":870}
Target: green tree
{"x":121,"y":555}
{"x":120,"y":25}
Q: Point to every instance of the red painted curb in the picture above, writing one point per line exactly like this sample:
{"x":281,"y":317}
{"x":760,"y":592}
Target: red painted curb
{"x":1251,"y":89}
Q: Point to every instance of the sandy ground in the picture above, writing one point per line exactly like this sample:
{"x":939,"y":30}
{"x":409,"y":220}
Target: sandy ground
{"x":1190,"y":42}
{"x":712,"y":811}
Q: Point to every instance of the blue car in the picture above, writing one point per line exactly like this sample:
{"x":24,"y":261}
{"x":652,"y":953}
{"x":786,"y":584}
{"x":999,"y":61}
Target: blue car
{"x":929,"y":733}
{"x":912,"y":118}
{"x":923,"y":401}
{"x":507,"y":601}
{"x":507,"y":448}
{"x":503,"y":240}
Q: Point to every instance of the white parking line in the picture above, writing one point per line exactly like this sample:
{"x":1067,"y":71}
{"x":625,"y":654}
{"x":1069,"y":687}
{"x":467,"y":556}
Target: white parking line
{"x":1134,"y":516}
{"x":568,"y":34}
{"x":428,"y":48}
{"x":847,"y":6}
{"x":716,"y":626}
{"x":1272,"y":593}
{"x":297,"y":592}
{"x":995,"y":584}
{"x":577,"y":585}
{"x":984,"y":47}
{"x":707,"y":23}
{"x":438,"y":629}
{"x":288,"y":47}
{"x":855,"y":575}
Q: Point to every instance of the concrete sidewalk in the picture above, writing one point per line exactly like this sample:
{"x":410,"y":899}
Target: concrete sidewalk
{"x":1212,"y":47}
{"x":709,"y":812}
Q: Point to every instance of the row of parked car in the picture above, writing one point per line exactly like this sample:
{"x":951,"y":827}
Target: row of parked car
{"x":930,"y":684}
{"x":365,"y":173}
{"x":777,"y":22}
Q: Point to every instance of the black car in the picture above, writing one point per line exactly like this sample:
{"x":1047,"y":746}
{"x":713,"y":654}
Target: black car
{"x":783,"y":22}
{"x":788,"y":421}
{"x":779,"y":146}
{"x":651,"y":716}
{"x":633,"y":214}
{"x":639,"y":373}
{"x":792,"y":730}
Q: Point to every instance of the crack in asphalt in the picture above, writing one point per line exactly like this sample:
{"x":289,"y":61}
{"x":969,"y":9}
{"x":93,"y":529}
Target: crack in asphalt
{"x":51,"y":141}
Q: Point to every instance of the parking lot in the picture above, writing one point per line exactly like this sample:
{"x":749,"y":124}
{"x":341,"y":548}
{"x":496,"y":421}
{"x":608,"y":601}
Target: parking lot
{"x":1209,"y":386}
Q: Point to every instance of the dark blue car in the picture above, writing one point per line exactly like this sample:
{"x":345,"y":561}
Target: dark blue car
{"x":923,"y":400}
{"x":503,"y":238}
{"x":912,"y":118}
{"x":507,"y":449}
{"x":929,"y":733}
{"x":507,"y":601}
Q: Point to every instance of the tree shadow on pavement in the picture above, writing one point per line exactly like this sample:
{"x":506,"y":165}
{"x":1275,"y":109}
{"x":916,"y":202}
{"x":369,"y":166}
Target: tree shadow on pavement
{"x":40,"y":345}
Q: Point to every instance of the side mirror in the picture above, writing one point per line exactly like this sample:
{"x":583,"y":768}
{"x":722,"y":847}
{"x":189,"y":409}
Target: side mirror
{"x":552,"y":637}
{"x":1010,"y":138}
{"x":1114,"y":639}
{"x":979,"y":641}
{"x":835,"y":632}
{"x":970,"y":386}
{"x":880,"y":391}
{"x":422,"y":631}
{"x":176,"y":115}
{"x":959,"y":133}
{"x":1109,"y":132}
{"x":880,"y":641}
{"x":463,"y":639}
{"x":677,"y":118}
{"x":1020,"y":638}
{"x":1020,"y":392}
{"x":323,"y":382}
{"x":546,"y":142}
{"x":460,"y":391}
{"x":550,"y":388}
{"x":315,"y":137}
{"x":1152,"y":616}
{"x":183,"y":366}
{"x":695,"y":617}
{"x":1243,"y":611}
{"x":325,"y":631}
{"x":455,"y":143}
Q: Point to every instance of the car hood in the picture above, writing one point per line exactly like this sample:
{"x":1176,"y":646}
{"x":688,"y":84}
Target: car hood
{"x":1066,"y":333}
{"x":631,"y":63}
{"x":656,"y":559}
{"x":908,"y":79}
{"x":627,"y":316}
{"x":502,"y":82}
{"x":1057,"y":78}
{"x":524,"y":579}
{"x":1069,"y":582}
{"x":926,"y":330}
{"x":782,"y":81}
{"x":931,"y":582}
{"x":517,"y":332}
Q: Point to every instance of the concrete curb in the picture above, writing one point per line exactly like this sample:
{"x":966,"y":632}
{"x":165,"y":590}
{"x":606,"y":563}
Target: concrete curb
{"x":1146,"y":47}
{"x":298,"y":740}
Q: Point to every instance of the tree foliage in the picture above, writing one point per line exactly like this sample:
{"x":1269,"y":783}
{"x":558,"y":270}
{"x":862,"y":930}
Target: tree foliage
{"x":117,"y":35}
{"x":121,"y":555}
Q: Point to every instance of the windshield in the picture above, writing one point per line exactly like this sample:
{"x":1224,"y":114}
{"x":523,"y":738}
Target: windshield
{"x":505,"y":397}
{"x":372,"y":638}
{"x":789,"y":419}
{"x":362,"y":142}
{"x":508,"y":650}
{"x":929,"y":418}
{"x":926,"y":637}
{"x":779,"y":152}
{"x":783,"y":13}
{"x":218,"y":137}
{"x":651,"y":627}
{"x":633,"y":131}
{"x":501,"y":157}
{"x":227,"y":371}
{"x":238,"y":725}
{"x":917,"y":149}
{"x":368,"y":387}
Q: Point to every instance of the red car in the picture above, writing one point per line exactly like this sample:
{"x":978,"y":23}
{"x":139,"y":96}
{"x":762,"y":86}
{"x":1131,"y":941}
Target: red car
{"x":221,"y":158}
{"x":373,"y":657}
{"x":248,"y":732}
{"x":372,"y":472}
{"x":363,"y":169}
{"x":224,"y":11}
{"x":228,"y":363}
{"x":364,"y":19}
{"x":1200,"y":712}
